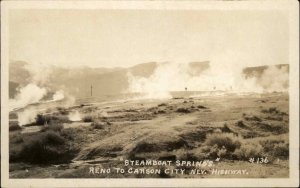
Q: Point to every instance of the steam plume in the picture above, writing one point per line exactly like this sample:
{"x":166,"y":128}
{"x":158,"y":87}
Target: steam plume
{"x":29,"y":94}
{"x":226,"y":77}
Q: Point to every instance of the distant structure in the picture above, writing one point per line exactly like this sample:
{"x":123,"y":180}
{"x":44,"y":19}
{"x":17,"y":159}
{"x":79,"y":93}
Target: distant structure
{"x":91,"y":90}
{"x":185,"y":88}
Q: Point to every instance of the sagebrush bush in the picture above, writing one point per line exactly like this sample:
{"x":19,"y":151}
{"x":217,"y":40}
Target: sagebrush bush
{"x":276,"y":147}
{"x":227,"y":140}
{"x":87,"y":119}
{"x":48,"y":119}
{"x":281,"y":150}
{"x":183,"y":110}
{"x":248,"y":150}
{"x":14,"y":127}
{"x":42,"y":148}
{"x":42,"y":119}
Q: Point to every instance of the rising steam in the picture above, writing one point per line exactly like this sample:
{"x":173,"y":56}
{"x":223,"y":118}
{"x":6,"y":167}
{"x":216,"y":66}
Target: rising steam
{"x":59,"y":95}
{"x":176,"y":77}
{"x":27,"y":116}
{"x":74,"y":116}
{"x":29,"y":94}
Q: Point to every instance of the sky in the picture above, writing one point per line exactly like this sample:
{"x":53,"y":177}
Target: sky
{"x":123,"y":38}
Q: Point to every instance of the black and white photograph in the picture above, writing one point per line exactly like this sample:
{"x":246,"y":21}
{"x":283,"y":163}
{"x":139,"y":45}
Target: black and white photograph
{"x":133,"y":92}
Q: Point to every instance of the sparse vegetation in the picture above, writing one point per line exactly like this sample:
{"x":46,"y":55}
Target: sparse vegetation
{"x":276,"y":147}
{"x":46,"y":147}
{"x":48,"y":119}
{"x":183,"y":110}
{"x":176,"y":131}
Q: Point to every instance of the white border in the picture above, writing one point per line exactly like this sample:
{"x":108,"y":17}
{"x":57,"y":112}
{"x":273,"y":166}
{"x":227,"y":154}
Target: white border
{"x":291,"y":6}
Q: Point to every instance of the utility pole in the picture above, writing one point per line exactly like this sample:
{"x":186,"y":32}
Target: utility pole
{"x":91,"y":90}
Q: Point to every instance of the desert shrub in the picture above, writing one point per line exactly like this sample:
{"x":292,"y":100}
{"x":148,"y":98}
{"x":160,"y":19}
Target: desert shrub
{"x":41,"y":119}
{"x":14,"y":127}
{"x":248,"y":150}
{"x":48,"y":119}
{"x":281,"y":150}
{"x":276,"y":147}
{"x":42,"y":148}
{"x":183,"y":110}
{"x":226,"y":129}
{"x":210,"y":152}
{"x":98,"y":125}
{"x":87,"y":119}
{"x":53,"y":127}
{"x":227,"y":140}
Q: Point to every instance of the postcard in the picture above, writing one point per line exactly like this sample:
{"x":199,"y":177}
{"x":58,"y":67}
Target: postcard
{"x":149,"y":93}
